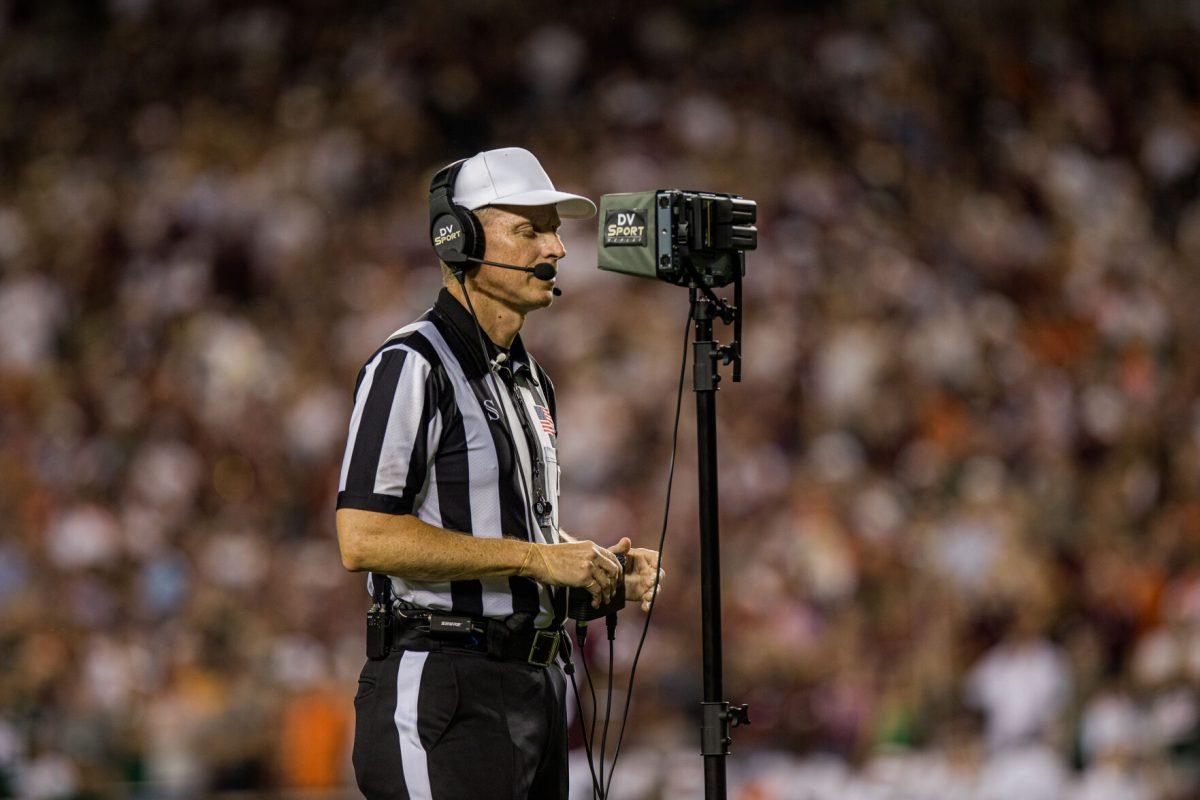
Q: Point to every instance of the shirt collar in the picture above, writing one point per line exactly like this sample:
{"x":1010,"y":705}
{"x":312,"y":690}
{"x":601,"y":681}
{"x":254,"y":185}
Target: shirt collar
{"x":460,"y":320}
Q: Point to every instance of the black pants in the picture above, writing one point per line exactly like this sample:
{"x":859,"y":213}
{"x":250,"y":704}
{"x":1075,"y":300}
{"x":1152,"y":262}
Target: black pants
{"x":451,"y":724}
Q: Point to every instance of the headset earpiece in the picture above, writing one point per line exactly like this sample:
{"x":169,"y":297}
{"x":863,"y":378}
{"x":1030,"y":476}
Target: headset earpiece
{"x":455,"y":233}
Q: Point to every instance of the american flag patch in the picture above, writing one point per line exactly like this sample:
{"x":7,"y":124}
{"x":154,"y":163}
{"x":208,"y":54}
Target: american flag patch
{"x":544,"y":417}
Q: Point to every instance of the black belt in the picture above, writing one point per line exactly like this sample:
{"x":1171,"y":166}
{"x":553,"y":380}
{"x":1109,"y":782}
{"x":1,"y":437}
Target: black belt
{"x":484,"y":635}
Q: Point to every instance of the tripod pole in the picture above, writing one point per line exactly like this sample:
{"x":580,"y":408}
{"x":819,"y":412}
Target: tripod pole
{"x":714,"y":744}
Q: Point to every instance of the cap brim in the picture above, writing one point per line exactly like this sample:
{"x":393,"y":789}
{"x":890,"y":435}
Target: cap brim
{"x":571,"y":206}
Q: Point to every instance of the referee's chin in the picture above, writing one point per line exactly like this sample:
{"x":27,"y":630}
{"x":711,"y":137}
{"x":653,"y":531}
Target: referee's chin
{"x":543,"y":298}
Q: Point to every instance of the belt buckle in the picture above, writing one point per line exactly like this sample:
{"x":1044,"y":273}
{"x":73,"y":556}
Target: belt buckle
{"x":550,"y":647}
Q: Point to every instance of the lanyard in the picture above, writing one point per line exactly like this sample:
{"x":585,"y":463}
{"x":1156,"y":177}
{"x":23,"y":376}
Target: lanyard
{"x":541,"y":505}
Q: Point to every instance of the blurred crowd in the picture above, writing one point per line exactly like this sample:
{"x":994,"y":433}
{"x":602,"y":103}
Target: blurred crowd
{"x":960,"y":482}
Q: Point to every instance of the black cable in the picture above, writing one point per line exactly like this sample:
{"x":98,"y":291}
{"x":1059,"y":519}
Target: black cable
{"x":462,"y":282}
{"x":611,"y":622}
{"x":662,"y":538}
{"x":596,"y":794}
{"x":595,"y":711}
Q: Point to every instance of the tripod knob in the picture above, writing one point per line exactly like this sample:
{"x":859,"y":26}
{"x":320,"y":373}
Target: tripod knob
{"x":739,"y":715}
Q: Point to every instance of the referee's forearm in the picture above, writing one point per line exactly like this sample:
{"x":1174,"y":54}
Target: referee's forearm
{"x":406,"y":547}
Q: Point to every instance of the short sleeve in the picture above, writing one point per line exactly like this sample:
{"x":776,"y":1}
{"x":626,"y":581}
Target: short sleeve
{"x":393,"y":435}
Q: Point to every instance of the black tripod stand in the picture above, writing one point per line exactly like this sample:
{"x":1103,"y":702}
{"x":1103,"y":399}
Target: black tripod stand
{"x":718,"y":715}
{"x":698,"y":240}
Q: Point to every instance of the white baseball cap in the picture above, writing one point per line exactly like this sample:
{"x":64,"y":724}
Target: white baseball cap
{"x":512,"y":176}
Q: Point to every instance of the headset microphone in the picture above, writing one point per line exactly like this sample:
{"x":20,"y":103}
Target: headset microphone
{"x":544,"y":271}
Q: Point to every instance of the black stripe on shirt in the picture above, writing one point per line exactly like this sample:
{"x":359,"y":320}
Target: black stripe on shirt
{"x":372,"y":426}
{"x":418,"y":461}
{"x":454,"y":502}
{"x":354,"y":496}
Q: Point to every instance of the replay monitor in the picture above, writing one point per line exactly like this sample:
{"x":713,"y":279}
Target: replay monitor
{"x":677,"y":236}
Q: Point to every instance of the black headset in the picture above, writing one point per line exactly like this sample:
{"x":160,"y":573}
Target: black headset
{"x":454,"y":231}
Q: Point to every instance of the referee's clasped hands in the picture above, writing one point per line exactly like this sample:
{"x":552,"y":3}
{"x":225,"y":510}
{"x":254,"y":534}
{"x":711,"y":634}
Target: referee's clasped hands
{"x":589,"y":566}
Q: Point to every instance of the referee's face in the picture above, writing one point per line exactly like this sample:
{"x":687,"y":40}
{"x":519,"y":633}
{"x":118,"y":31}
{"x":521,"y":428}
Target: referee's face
{"x":524,"y":236}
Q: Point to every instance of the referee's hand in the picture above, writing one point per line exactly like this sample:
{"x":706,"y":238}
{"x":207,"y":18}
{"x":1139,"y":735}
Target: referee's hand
{"x":584,"y":564}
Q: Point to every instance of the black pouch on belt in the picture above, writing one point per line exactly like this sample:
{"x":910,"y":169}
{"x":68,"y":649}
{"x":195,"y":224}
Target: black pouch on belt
{"x":498,"y":632}
{"x":379,"y":619}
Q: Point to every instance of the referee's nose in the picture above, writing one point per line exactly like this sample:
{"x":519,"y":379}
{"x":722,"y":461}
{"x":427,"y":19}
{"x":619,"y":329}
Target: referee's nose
{"x":552,"y":247}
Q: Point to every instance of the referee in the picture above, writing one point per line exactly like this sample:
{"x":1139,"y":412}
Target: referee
{"x":448,"y":496}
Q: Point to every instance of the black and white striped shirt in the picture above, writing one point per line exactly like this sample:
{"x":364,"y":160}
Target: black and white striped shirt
{"x":427,"y":439}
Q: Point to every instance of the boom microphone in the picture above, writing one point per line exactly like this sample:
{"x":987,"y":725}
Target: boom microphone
{"x":544,"y":271}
